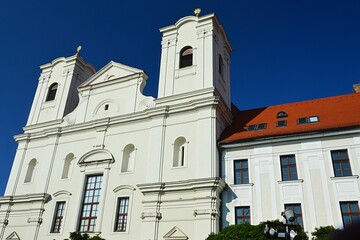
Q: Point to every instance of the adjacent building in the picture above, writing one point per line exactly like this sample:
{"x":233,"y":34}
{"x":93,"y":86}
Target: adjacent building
{"x":304,"y":156}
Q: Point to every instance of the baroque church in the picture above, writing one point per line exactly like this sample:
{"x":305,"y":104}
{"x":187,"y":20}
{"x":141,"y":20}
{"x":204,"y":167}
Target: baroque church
{"x":97,"y":156}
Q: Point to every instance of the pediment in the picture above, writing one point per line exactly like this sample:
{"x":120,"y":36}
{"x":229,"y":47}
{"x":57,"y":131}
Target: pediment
{"x":175,"y":234}
{"x":113,"y":71}
{"x":13,"y":236}
{"x":97,"y":156}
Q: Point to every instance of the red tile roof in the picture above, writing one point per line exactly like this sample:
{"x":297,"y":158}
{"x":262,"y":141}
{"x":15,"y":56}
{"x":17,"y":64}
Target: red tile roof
{"x":333,"y":112}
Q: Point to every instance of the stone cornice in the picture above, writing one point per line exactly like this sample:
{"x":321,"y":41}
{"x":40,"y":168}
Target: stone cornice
{"x":207,"y":99}
{"x":289,"y":138}
{"x":43,"y":197}
{"x":184,"y":185}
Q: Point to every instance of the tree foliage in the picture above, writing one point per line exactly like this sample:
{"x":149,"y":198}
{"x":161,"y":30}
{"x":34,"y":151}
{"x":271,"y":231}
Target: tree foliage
{"x":322,"y":233}
{"x":250,"y":232}
{"x":84,"y":236}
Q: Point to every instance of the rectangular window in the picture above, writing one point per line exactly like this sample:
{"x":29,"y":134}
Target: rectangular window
{"x":288,"y":167}
{"x":121,"y":214}
{"x":241,"y":174}
{"x":281,"y":123}
{"x":58,"y":217}
{"x":349,"y":212}
{"x":242,"y":215}
{"x":90,"y":205}
{"x":296,"y":207}
{"x":341,"y":164}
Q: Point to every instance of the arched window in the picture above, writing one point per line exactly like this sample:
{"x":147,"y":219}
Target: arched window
{"x":186,"y":57}
{"x":67,"y":165}
{"x":221,"y":65}
{"x":179,"y":152}
{"x":281,"y":114}
{"x":52,"y":92}
{"x":30,"y":171}
{"x":128,"y":158}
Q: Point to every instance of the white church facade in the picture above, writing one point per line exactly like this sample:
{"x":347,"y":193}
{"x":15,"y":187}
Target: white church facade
{"x":98,"y":156}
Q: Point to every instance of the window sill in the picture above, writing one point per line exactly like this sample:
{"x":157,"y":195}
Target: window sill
{"x":291,"y":181}
{"x":345,"y":177}
{"x":241,"y":185}
{"x":49,"y":104}
{"x":179,"y":167}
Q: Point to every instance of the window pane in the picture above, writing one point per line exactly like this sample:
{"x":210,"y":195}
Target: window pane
{"x":288,"y":167}
{"x":90,"y":203}
{"x":242,"y":215}
{"x":350,"y":212}
{"x":341,"y":163}
{"x":296,"y":207}
{"x":58,"y":217}
{"x":121,"y":215}
{"x":241,"y":174}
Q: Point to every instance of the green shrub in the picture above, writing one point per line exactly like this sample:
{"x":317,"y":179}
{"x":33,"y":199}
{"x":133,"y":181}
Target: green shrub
{"x":84,"y":236}
{"x":250,"y":232}
{"x":322,"y":233}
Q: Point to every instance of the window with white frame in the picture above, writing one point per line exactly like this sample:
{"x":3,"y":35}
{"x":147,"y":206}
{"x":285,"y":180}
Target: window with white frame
{"x":296,"y":208}
{"x":288,"y":167}
{"x":241,"y":171}
{"x":350,"y":212}
{"x":341,"y":163}
{"x":242,"y":215}
{"x":186,"y":57}
{"x":122,"y":211}
{"x":90,"y":204}
{"x":52,"y":92}
{"x":58,"y":217}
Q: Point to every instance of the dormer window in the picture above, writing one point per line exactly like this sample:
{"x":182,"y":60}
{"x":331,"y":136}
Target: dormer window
{"x":305,"y":120}
{"x":186,"y":57}
{"x":282,"y":114}
{"x":52,"y":92}
{"x":281,"y":123}
{"x":256,"y":127}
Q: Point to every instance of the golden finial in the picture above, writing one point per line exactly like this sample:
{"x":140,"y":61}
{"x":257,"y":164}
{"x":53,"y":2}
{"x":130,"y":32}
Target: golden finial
{"x":78,"y":50}
{"x":197,"y":11}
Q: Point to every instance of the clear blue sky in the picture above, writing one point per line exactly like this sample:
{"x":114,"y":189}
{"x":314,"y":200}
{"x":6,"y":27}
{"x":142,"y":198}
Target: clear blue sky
{"x":283,"y":50}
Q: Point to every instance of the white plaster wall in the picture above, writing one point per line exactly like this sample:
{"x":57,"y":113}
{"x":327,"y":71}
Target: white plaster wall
{"x":318,"y":192}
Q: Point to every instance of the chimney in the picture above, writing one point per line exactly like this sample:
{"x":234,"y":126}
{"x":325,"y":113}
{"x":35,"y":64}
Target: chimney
{"x":356,"y":88}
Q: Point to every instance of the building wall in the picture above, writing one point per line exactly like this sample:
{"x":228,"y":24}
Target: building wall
{"x":316,"y":189}
{"x":113,"y":122}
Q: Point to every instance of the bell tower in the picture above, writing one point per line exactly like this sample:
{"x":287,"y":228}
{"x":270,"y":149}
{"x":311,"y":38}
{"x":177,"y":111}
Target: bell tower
{"x":56,"y":94}
{"x":195,"y":56}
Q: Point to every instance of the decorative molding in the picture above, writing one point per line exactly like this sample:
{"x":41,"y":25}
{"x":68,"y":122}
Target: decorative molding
{"x":345,"y":177}
{"x":156,"y":215}
{"x":212,"y":212}
{"x":291,"y":181}
{"x":13,"y":236}
{"x":4,"y":222}
{"x":35,"y":220}
{"x":175,"y":233}
{"x":62,"y":192}
{"x":96,"y":156}
{"x":146,"y":103}
{"x":124,"y":187}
